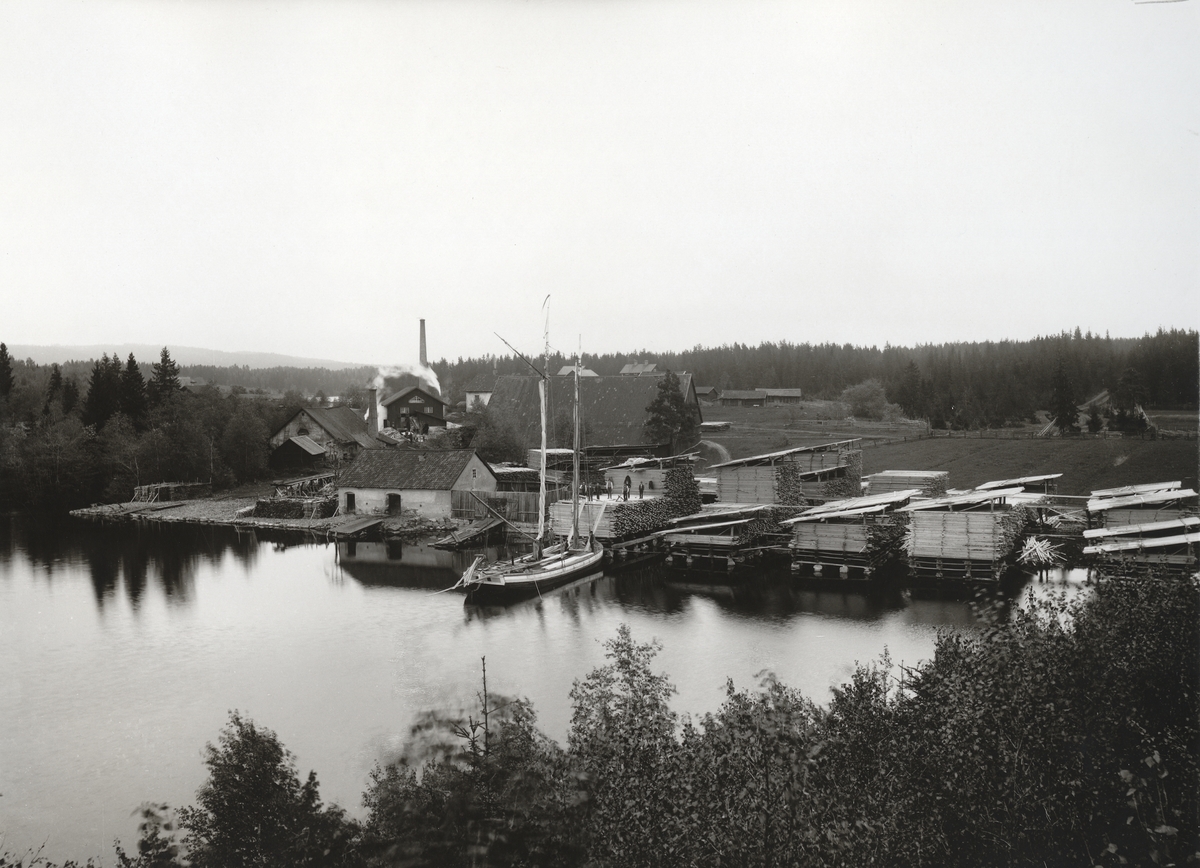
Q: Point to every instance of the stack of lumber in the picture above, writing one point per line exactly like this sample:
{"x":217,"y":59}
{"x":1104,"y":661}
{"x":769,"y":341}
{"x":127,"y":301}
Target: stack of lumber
{"x":931,"y":483}
{"x":970,"y":536}
{"x":1171,"y":543}
{"x":743,"y":484}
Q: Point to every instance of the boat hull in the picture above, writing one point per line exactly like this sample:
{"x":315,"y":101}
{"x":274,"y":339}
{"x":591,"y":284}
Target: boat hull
{"x":500,"y":582}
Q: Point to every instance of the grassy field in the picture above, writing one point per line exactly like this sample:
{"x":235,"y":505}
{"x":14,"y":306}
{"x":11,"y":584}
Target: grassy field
{"x":1086,"y":464}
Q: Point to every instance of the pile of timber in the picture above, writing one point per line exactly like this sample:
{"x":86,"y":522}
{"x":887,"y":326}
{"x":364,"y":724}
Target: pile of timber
{"x":931,"y":483}
{"x":725,"y":533}
{"x":1142,"y":504}
{"x":296,"y":507}
{"x":1172,"y":544}
{"x":971,"y":535}
{"x":858,"y":533}
{"x":792,"y":477}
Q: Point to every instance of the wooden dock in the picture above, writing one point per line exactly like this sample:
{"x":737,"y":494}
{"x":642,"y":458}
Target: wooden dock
{"x":355,"y":527}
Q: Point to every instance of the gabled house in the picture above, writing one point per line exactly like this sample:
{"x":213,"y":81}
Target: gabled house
{"x":414,"y":408}
{"x":612,"y":410}
{"x":383,"y":482}
{"x":480,"y":389}
{"x":318,"y":436}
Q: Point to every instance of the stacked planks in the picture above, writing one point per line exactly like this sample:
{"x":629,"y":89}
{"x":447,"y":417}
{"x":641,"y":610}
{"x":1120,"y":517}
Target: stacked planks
{"x":931,"y":483}
{"x":970,"y":536}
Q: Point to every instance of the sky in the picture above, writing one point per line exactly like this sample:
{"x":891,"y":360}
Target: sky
{"x":312,"y":178}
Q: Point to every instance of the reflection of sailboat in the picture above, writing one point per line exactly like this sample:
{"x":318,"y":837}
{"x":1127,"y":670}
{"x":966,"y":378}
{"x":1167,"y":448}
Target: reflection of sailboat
{"x":546,"y":566}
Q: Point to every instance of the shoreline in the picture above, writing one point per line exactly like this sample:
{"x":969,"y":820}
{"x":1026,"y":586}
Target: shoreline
{"x":237,"y":512}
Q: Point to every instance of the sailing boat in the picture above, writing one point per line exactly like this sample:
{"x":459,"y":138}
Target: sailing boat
{"x":546,"y":566}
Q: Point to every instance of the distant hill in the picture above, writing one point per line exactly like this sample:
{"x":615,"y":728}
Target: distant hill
{"x":45,"y":355}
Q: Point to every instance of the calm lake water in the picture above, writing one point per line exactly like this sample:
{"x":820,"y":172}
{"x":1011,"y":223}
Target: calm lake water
{"x":122,"y":651}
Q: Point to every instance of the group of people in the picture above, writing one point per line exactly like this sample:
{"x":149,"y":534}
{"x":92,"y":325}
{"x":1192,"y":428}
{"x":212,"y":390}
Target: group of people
{"x":594,"y":489}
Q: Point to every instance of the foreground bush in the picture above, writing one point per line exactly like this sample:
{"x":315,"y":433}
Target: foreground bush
{"x":1067,"y":735}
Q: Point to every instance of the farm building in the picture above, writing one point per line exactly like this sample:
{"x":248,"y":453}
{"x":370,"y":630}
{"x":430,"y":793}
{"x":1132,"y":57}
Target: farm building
{"x":743,"y":398}
{"x":414,"y":408}
{"x":858,"y":534}
{"x":388,"y":480}
{"x":965,"y":536}
{"x":931,"y":483}
{"x":612,"y":409}
{"x":1141,"y":504}
{"x":637,"y":369}
{"x":781,"y":396}
{"x":708,"y":393}
{"x":317,"y":437}
{"x":792,"y":477}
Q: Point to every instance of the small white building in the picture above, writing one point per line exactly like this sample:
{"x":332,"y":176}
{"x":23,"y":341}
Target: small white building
{"x":385,"y":481}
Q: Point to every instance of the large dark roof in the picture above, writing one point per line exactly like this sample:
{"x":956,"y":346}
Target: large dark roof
{"x":407,"y":469}
{"x":343,"y":424}
{"x":613,"y":408}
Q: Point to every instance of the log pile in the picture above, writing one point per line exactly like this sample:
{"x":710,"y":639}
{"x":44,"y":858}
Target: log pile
{"x":931,"y":483}
{"x":848,"y":484}
{"x":294,"y":507}
{"x":789,"y":485}
{"x":682,"y":491}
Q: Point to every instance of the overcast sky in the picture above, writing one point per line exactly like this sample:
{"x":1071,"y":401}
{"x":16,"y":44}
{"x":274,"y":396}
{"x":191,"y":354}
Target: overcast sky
{"x":312,"y":178}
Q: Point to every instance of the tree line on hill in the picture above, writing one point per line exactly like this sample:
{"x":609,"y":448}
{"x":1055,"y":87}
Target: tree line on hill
{"x":959,"y":385}
{"x":64,"y":444}
{"x":1062,"y":734}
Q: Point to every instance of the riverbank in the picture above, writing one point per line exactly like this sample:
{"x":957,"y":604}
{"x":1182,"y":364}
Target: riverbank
{"x":238,"y":511}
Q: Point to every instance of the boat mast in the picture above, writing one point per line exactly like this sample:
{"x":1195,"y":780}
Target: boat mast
{"x":575,"y":461}
{"x":541,"y":531}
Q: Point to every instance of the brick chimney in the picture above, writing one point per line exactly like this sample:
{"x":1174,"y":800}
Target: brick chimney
{"x":424,"y":360}
{"x":372,"y":413}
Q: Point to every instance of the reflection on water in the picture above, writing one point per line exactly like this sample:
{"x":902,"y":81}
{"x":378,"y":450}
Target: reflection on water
{"x":122,"y":650}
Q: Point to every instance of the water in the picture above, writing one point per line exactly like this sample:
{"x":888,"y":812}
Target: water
{"x":123,"y":649}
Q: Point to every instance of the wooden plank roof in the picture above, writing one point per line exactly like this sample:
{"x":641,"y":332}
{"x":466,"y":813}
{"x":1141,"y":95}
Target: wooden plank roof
{"x":408,"y":469}
{"x":1145,"y":488}
{"x":855,"y":506}
{"x":1100,"y":504}
{"x":967,"y":498}
{"x":772,"y":457}
{"x":1023,"y":480}
{"x":1149,"y":527}
{"x":312,"y":447}
{"x":1133,"y":545}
